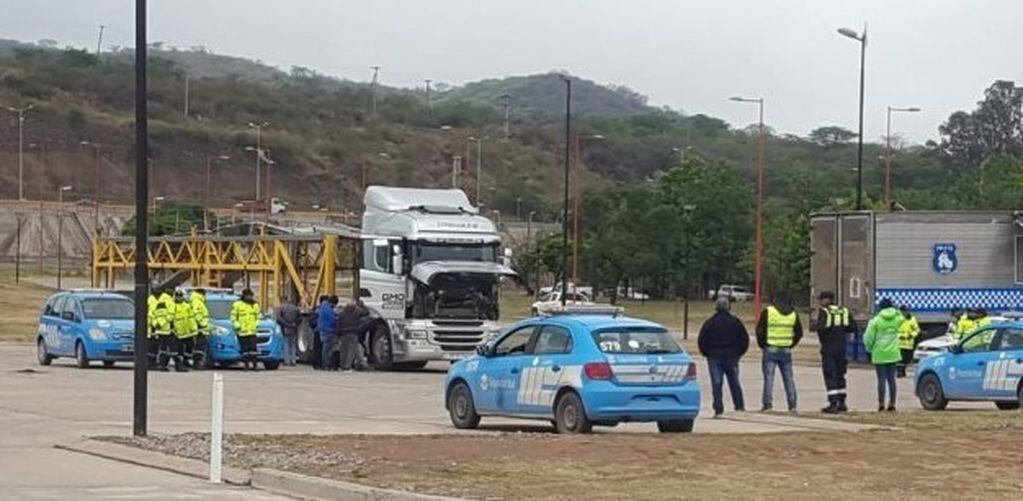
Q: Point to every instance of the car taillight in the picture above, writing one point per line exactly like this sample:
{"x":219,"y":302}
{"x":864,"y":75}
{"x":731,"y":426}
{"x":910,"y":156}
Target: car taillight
{"x":691,"y":371}
{"x":600,"y":371}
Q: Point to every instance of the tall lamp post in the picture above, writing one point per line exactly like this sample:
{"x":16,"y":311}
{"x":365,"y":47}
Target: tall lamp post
{"x":758,"y":254}
{"x":479,"y":162}
{"x":888,"y":152}
{"x":60,"y":232}
{"x":96,"y":177}
{"x":862,"y":39}
{"x":258,"y":150}
{"x":564,"y":212}
{"x":21,"y":149}
{"x":209,"y":164}
{"x":580,"y":142}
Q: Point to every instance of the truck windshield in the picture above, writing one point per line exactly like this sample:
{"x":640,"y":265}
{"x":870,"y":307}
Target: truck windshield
{"x":108,"y":309}
{"x":433,"y":251}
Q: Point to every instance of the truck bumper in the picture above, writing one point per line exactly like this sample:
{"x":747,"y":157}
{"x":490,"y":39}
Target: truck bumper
{"x":427,"y":340}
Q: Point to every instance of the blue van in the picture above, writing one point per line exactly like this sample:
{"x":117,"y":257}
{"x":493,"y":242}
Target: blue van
{"x":87,"y":325}
{"x":224,"y":348}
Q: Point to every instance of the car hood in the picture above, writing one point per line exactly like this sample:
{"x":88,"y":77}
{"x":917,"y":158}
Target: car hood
{"x":426,"y":272}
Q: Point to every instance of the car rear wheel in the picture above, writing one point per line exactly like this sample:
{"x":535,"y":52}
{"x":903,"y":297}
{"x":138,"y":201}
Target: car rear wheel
{"x":461,"y":408}
{"x":81,"y":359}
{"x":380,"y":343}
{"x":931,"y":394}
{"x":42,"y":355}
{"x":1007,"y":406}
{"x":570,"y":415}
{"x":675,"y":426}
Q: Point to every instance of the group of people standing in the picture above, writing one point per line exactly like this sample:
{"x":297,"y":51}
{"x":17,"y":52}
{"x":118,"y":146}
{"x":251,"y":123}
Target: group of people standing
{"x":889,"y":338}
{"x":340,"y":333}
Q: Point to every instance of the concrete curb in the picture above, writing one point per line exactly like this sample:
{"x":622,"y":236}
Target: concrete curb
{"x":316,"y":488}
{"x":153,"y":459}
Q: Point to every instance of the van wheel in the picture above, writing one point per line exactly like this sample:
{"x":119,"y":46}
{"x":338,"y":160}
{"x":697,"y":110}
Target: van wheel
{"x":675,"y":426}
{"x":461,"y":408}
{"x":81,"y":359}
{"x":932,"y":396}
{"x":380,"y":348}
{"x":42,"y":355}
{"x":570,"y":415}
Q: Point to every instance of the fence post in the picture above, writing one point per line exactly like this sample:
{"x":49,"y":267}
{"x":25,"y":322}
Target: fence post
{"x":217,"y":431}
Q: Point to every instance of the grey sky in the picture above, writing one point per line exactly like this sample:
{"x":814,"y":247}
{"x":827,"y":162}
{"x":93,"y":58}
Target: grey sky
{"x":935,"y":54}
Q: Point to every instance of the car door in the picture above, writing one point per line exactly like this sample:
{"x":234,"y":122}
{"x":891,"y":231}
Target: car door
{"x":966,"y":372}
{"x":70,"y":324}
{"x":58,"y":328}
{"x":49,"y":328}
{"x":500,"y":371}
{"x":543,"y":372}
{"x":1004,"y":371}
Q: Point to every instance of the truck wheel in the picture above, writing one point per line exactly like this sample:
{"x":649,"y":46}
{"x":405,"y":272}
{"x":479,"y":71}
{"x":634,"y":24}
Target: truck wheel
{"x":675,"y":426}
{"x":41,"y":353}
{"x":932,"y":396}
{"x":380,"y":349}
{"x":570,"y":415}
{"x":1007,"y":406}
{"x":81,"y":359}
{"x":461,"y":408}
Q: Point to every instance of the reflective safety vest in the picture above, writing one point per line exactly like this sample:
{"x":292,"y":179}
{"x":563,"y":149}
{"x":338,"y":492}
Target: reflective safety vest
{"x":200,"y":312}
{"x":161,"y":320}
{"x":908,"y":332}
{"x":184,"y":321}
{"x":245,"y":318}
{"x":150,"y":310}
{"x":780,"y":328}
{"x":837,"y":316}
{"x":964,"y":326}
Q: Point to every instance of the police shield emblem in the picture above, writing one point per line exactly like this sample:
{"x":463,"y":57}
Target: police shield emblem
{"x":944,"y":261}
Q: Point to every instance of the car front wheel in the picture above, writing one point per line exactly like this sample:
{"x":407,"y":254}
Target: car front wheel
{"x":675,"y":426}
{"x":271,"y":366}
{"x":932,"y":396}
{"x":44,"y":357}
{"x":570,"y":415}
{"x":461,"y":408}
{"x":81,"y":359}
{"x":1007,"y":406}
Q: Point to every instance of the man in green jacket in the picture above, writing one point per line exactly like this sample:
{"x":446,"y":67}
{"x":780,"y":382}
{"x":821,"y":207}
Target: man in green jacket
{"x":881,"y":340}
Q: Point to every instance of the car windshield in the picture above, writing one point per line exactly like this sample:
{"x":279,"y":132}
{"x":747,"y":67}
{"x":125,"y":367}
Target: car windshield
{"x":431,"y":251}
{"x":220,"y":309}
{"x":108,"y":308}
{"x":636,"y":341}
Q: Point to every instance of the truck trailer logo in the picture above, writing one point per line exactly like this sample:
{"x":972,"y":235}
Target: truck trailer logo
{"x":945,"y":261}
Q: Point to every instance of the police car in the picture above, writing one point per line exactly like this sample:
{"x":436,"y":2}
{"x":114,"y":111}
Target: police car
{"x":986,"y":365}
{"x":87,"y":325}
{"x":577,"y":371}
{"x":224,"y":348}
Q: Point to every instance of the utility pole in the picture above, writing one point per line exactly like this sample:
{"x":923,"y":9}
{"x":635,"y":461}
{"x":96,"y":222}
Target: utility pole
{"x":507,"y":115}
{"x":564,"y":212}
{"x":759,"y":250}
{"x":21,"y":148}
{"x":862,"y":39}
{"x":99,"y":43}
{"x":259,"y":151}
{"x":186,"y":95}
{"x":141,"y":356}
{"x":456,"y":165}
{"x":429,"y":104}
{"x":60,"y":232}
{"x":373,"y":88}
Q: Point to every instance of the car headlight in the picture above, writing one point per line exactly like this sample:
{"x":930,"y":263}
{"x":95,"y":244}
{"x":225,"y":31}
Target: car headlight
{"x":417,"y":334}
{"x":97,"y":334}
{"x":493,"y":334}
{"x":220,"y":331}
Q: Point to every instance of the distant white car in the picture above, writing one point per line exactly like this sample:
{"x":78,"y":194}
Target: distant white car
{"x":736,"y":292}
{"x":552,"y":300}
{"x":933,"y":347}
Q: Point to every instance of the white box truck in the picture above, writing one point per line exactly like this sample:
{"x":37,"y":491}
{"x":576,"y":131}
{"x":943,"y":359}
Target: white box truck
{"x":430,"y":272}
{"x":930,"y":261}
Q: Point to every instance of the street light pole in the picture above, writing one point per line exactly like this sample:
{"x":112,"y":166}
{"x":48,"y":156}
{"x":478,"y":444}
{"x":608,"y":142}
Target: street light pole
{"x":564,"y":212}
{"x":21,"y":148}
{"x":60,"y":232}
{"x":580,"y":141}
{"x":888,"y":153}
{"x":206,"y":213}
{"x":259,"y":151}
{"x":759,"y":244}
{"x":862,"y":39}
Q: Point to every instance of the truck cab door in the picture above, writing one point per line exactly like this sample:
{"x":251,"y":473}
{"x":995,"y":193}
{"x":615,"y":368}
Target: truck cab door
{"x":382,"y":287}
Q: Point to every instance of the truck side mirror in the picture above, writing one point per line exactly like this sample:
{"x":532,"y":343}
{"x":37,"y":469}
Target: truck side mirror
{"x":507,"y":260}
{"x":397,"y":260}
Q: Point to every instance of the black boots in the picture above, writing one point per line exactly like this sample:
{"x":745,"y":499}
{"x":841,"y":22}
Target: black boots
{"x":835,"y":405}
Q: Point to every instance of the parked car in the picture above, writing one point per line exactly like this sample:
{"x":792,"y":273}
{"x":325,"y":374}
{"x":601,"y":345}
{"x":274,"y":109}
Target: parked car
{"x":552,"y":300}
{"x":224,"y":348}
{"x":578,"y":371}
{"x":986,"y":365}
{"x":87,"y":325}
{"x":736,"y":292}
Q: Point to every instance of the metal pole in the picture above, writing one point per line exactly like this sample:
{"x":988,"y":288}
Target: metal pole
{"x":186,"y":95}
{"x":217,"y":428}
{"x":269,"y":197}
{"x":468,"y":163}
{"x":758,"y":261}
{"x":98,"y":187}
{"x":60,"y":233}
{"x":859,"y":142}
{"x":141,"y":386}
{"x":17,"y":251}
{"x":259,"y":151}
{"x":575,"y":211}
{"x":479,"y":167}
{"x":456,"y":164}
{"x":21,"y":154}
{"x":888,"y":161}
{"x":529,"y":243}
{"x":206,"y":213}
{"x":99,"y":43}
{"x":564,"y":212}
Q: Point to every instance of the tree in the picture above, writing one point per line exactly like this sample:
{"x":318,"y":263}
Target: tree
{"x":831,"y":135}
{"x":994,"y":128}
{"x":996,"y":185}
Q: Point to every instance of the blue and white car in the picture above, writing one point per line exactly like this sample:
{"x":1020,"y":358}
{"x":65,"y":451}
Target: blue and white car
{"x":986,"y":365}
{"x":224,"y":348}
{"x":577,"y":371}
{"x":87,"y":325}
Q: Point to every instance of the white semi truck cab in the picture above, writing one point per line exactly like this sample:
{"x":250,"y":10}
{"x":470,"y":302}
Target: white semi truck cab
{"x":430,"y":271}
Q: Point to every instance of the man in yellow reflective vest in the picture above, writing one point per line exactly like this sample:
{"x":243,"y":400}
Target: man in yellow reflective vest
{"x":152,"y":341}
{"x":202,"y":325}
{"x":908,"y":332}
{"x":184,"y":332}
{"x":834,"y":328}
{"x":162,"y":321}
{"x":778,"y":332}
{"x":245,"y":315}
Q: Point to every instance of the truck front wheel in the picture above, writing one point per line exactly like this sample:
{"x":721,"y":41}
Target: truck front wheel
{"x":380,"y":348}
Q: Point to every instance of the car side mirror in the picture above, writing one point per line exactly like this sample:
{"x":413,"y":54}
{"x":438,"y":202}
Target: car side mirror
{"x":485,"y":350}
{"x":397,"y":260}
{"x":956,"y":348}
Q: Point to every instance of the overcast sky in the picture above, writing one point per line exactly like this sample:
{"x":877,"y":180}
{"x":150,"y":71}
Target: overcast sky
{"x":688,"y":55}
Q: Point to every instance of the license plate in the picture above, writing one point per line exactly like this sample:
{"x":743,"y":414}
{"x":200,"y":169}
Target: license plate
{"x":128,"y":347}
{"x":455,"y":356}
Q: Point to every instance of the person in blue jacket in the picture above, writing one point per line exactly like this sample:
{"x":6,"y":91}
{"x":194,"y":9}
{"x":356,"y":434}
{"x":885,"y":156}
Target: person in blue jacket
{"x":326,"y":324}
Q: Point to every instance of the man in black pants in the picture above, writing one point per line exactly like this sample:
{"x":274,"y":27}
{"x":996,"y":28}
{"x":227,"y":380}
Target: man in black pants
{"x":834,"y":325}
{"x":352,"y":322}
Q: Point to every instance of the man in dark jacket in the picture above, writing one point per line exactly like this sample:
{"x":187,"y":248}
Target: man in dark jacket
{"x":289,"y":317}
{"x":352,"y":323}
{"x":778,"y":332}
{"x":326,"y":322}
{"x":724,"y":340}
{"x":834,"y":328}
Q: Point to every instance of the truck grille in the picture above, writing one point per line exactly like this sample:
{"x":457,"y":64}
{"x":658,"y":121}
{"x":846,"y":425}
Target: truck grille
{"x":457,"y":340}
